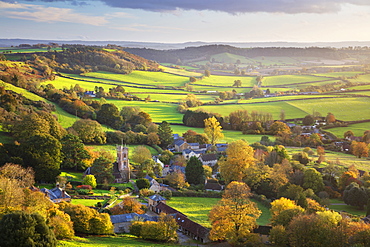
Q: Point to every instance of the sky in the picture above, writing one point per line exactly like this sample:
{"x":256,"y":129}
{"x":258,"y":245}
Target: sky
{"x":177,"y":21}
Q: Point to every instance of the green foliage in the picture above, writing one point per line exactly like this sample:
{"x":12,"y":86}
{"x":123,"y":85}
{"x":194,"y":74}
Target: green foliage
{"x":355,"y":195}
{"x":23,"y":230}
{"x":89,"y":131}
{"x":102,"y":168}
{"x":90,"y":180}
{"x":194,"y":171}
{"x":142,"y":183}
{"x":110,"y":115}
{"x":165,"y":134}
{"x":313,"y":180}
{"x":87,"y":220}
{"x":43,"y":153}
{"x":74,"y":153}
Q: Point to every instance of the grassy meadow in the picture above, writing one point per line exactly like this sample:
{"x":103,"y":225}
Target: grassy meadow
{"x":111,"y":241}
{"x":198,"y":208}
{"x":358,"y":129}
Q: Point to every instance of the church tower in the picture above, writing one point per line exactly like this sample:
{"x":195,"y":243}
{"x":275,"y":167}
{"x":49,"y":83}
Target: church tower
{"x":123,"y":164}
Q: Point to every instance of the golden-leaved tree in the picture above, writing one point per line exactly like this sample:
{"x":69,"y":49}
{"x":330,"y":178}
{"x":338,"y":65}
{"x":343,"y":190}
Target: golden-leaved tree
{"x":213,"y":129}
{"x":239,"y":157}
{"x":234,"y":217}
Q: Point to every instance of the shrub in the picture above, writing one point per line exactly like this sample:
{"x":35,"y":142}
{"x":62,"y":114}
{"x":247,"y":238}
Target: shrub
{"x":84,"y":187}
{"x":23,"y":229}
{"x":166,"y":193}
{"x":142,"y":183}
{"x":87,"y":220}
{"x":146,"y":192}
{"x":90,"y":180}
{"x":83,"y":192}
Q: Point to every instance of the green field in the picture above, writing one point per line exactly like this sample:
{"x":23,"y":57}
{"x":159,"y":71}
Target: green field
{"x":340,"y":74}
{"x":342,"y":159}
{"x":198,"y":208}
{"x":112,"y":241}
{"x":112,"y":149}
{"x":28,"y":50}
{"x":229,"y":135}
{"x":272,"y":107}
{"x":346,"y":208}
{"x":158,"y":111}
{"x":85,"y":202}
{"x":346,"y":109}
{"x":358,"y":129}
{"x":281,"y":80}
{"x":180,"y":71}
{"x":144,"y":78}
{"x":226,"y":81}
{"x":65,"y":119}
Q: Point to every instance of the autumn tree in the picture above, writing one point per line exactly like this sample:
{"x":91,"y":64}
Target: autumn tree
{"x":213,"y":130}
{"x":348,"y":133}
{"x":308,"y":120}
{"x":194,"y":171}
{"x":234,"y":217}
{"x":127,"y":206}
{"x":176,"y":179}
{"x":239,"y":157}
{"x":141,"y":154}
{"x":360,"y":149}
{"x":278,"y":128}
{"x":280,"y":205}
{"x":330,"y":118}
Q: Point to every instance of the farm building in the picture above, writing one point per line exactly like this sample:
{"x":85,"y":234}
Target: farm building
{"x":56,"y":194}
{"x":122,"y":222}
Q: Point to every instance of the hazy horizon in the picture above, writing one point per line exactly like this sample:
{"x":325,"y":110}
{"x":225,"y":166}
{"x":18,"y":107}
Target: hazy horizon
{"x":173,"y":21}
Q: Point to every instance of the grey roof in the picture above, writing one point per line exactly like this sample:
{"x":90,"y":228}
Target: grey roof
{"x":157,"y":198}
{"x":179,"y":142}
{"x":55,"y":193}
{"x":120,"y":218}
{"x":193,"y":144}
{"x":208,"y":157}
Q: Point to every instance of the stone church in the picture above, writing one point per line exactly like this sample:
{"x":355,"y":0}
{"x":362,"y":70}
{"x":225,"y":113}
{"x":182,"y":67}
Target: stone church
{"x":121,"y":168}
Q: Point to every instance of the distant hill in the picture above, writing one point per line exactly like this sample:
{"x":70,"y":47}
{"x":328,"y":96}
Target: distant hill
{"x":167,"y":46}
{"x":194,"y":54}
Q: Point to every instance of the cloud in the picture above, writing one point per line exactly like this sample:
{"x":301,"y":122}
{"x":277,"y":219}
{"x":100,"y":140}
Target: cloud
{"x":40,"y":13}
{"x":147,"y":28}
{"x":230,"y":6}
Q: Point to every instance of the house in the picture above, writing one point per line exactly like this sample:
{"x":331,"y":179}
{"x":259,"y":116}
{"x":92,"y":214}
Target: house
{"x":208,"y":159}
{"x":122,"y":222}
{"x":180,"y":145}
{"x":194,"y":146}
{"x":90,"y":94}
{"x":154,"y":200}
{"x":213,"y":186}
{"x":188,"y":153}
{"x":56,"y":194}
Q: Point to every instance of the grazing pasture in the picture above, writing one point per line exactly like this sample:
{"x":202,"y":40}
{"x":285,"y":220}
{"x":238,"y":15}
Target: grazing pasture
{"x":112,"y":241}
{"x":158,"y":111}
{"x":144,"y":78}
{"x":358,"y":129}
{"x":198,"y":208}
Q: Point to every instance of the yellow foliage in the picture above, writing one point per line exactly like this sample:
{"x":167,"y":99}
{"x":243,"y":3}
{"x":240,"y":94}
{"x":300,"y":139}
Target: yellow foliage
{"x":240,"y":156}
{"x":213,"y":129}
{"x":282,"y":204}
